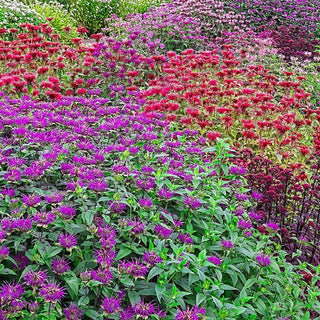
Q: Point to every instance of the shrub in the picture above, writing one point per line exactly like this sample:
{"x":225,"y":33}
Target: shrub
{"x":13,"y":13}
{"x":41,"y":66}
{"x":303,"y":13}
{"x":61,"y":19}
{"x":294,"y":42}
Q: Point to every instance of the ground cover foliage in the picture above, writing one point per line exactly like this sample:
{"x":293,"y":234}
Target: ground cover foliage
{"x":168,"y":171}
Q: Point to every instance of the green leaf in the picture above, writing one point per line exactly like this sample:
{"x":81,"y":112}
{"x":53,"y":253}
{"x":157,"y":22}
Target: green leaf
{"x":160,"y":291}
{"x":133,"y":297}
{"x":249,"y":283}
{"x":217,"y":302}
{"x":123,"y":252}
{"x":7,"y":271}
{"x":227,"y":287}
{"x":73,"y":283}
{"x":154,"y":272}
{"x":92,"y":314}
{"x":52,"y":252}
{"x":88,"y":216}
{"x":83,"y":301}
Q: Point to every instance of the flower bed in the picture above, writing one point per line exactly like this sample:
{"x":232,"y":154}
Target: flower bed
{"x":137,"y":183}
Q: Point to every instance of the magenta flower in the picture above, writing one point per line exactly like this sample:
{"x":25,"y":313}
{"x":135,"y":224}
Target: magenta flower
{"x":126,"y":314}
{"x":31,"y":200}
{"x":4,"y":253}
{"x":13,"y":175}
{"x":136,"y":269}
{"x":190,"y":314}
{"x":226,"y":244}
{"x":165,"y":194}
{"x":73,"y":312}
{"x":110,"y":305}
{"x":102,"y":275}
{"x":117,"y":207}
{"x":8,"y":192}
{"x":35,"y":279}
{"x":145,"y":203}
{"x":105,"y":257}
{"x":144,"y":310}
{"x":241,"y":196}
{"x":33,"y":307}
{"x":60,"y":265}
{"x":243,"y":224}
{"x":151,"y":258}
{"x":163,"y":232}
{"x":256,"y":196}
{"x":138,"y":226}
{"x":272,"y":226}
{"x":10,"y":292}
{"x":67,"y":213}
{"x":52,"y":292}
{"x":192,"y":203}
{"x":263,"y":260}
{"x":215,"y":260}
{"x":67,"y":241}
{"x":185,"y":238}
{"x":43,"y":218}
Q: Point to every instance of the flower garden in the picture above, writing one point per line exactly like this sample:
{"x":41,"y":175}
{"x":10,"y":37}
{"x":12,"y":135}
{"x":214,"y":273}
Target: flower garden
{"x":160,"y":159}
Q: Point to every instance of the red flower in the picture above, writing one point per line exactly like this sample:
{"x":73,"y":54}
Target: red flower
{"x":213,"y":136}
{"x":81,"y":91}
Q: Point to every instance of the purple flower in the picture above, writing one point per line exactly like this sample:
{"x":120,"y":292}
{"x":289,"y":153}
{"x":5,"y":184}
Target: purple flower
{"x":137,"y":269}
{"x":13,"y":175}
{"x":126,"y":314}
{"x":43,"y":218}
{"x":185,"y":238}
{"x":105,"y":257}
{"x":21,"y":261}
{"x":151,"y":258}
{"x":52,"y":292}
{"x":102,"y":275}
{"x":33,"y":307}
{"x":110,"y":305}
{"x":165,"y":194}
{"x":272,"y":226}
{"x":138,"y":226}
{"x":67,"y":241}
{"x":243,"y":224}
{"x":193,"y":203}
{"x":4,"y":253}
{"x":143,"y":309}
{"x":162,"y":231}
{"x":215,"y":260}
{"x":66,"y":212}
{"x":10,"y":292}
{"x":98,"y":186}
{"x":263,"y":260}
{"x":60,"y":265}
{"x":256,"y":196}
{"x":237,"y":170}
{"x":31,"y":200}
{"x":54,"y":198}
{"x":35,"y":279}
{"x":73,"y":312}
{"x":8,"y":192}
{"x":226,"y":244}
{"x":117,"y":207}
{"x":241,"y":196}
{"x":145,"y":203}
{"x":190,"y":314}
{"x":255,"y":216}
